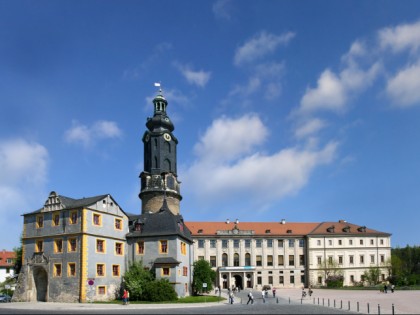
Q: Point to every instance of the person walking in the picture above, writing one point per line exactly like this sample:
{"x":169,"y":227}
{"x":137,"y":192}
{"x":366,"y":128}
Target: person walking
{"x":250,"y":298}
{"x":263,"y":295}
{"x":274,"y":292}
{"x":124,"y":297}
{"x":231,"y":297}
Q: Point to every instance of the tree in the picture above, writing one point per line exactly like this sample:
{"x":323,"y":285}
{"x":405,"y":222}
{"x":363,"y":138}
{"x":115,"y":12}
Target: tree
{"x":18,"y":257}
{"x":202,"y":274}
{"x":332,"y":272}
{"x":136,"y":280}
{"x":159,"y":291}
{"x":372,"y":275}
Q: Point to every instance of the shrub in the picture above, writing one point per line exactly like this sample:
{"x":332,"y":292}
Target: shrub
{"x":159,"y":291}
{"x":335,"y":281}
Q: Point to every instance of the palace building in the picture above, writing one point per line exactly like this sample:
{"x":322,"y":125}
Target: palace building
{"x":77,"y":250}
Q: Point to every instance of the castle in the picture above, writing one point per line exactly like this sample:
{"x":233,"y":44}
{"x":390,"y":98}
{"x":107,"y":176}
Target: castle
{"x":77,"y":250}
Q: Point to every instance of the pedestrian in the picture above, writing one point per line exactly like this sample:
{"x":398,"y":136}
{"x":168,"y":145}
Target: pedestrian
{"x":263,"y":295}
{"x":250,"y":298}
{"x":392,"y":288}
{"x":124,"y":297}
{"x":231,"y":297}
{"x":274,"y":292}
{"x":310,"y":291}
{"x":385,"y":288}
{"x":303,"y":292}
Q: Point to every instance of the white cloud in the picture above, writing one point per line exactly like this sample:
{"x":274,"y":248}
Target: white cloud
{"x":222,"y":8}
{"x":400,"y":38}
{"x":309,"y":127}
{"x":88,"y":135}
{"x":260,"y":45}
{"x":236,"y":168}
{"x":404,"y":87}
{"x":23,"y":169}
{"x":199,"y":78}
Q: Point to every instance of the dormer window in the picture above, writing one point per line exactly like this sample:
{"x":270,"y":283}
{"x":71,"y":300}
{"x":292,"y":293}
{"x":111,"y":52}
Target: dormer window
{"x":331,"y":229}
{"x":346,"y":229}
{"x":200,"y":231}
{"x":289,"y":231}
{"x":362,"y":229}
{"x":137,"y":227}
{"x":267,"y":231}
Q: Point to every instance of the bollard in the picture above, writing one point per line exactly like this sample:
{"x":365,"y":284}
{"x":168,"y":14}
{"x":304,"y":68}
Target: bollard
{"x":328,"y":302}
{"x":357,"y":307}
{"x":289,"y":299}
{"x":318,"y":301}
{"x":334,"y":303}
{"x":301,"y":301}
{"x":341,"y":304}
{"x":349,"y":305}
{"x":379,"y":309}
{"x":368,"y":308}
{"x":393,"y":309}
{"x":314,"y":300}
{"x":322,"y":301}
{"x":277,"y":300}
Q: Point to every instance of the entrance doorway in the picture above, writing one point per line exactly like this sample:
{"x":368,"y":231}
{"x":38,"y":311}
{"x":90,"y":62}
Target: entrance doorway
{"x":41,"y":283}
{"x":248,"y":281}
{"x":238,"y":281}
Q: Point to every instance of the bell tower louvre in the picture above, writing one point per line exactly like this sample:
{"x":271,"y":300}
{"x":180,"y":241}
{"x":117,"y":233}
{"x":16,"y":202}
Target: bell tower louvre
{"x":159,"y":179}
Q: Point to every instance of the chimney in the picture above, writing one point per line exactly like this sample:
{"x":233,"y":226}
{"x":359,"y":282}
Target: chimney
{"x":236,"y":221}
{"x":227,"y":221}
{"x":283,"y":221}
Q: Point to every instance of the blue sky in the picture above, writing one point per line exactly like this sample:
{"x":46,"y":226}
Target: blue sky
{"x":302,"y":110}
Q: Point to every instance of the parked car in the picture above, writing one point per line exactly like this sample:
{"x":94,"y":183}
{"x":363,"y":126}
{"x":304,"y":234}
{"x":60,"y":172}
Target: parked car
{"x":4,"y":298}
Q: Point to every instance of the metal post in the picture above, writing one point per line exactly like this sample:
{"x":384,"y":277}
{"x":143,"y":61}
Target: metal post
{"x":328,"y":302}
{"x":289,"y":299}
{"x":349,"y":305}
{"x":322,"y":301}
{"x":379,"y":309}
{"x":357,"y":307}
{"x":341,"y":304}
{"x":368,"y":308}
{"x":277,"y":300}
{"x":393,"y":309}
{"x":334,"y":303}
{"x":318,"y":301}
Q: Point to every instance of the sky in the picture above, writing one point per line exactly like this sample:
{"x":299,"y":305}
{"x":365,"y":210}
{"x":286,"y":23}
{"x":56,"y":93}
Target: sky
{"x":307,"y":111}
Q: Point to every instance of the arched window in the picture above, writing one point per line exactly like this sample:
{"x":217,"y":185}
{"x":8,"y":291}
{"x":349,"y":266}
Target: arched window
{"x":247,"y":259}
{"x":236,"y":260}
{"x":224,"y":260}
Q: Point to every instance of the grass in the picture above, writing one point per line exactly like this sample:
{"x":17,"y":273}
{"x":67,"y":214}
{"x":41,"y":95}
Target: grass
{"x":188,"y":299}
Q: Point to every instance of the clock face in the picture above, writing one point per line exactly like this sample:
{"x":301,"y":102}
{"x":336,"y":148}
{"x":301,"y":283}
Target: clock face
{"x":167,"y":137}
{"x":147,"y":138}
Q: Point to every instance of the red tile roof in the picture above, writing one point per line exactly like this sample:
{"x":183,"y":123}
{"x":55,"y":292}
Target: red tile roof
{"x":277,"y":228}
{"x":4,"y":255}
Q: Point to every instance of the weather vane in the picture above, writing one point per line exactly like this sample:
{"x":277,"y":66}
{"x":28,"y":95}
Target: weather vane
{"x":157,"y":84}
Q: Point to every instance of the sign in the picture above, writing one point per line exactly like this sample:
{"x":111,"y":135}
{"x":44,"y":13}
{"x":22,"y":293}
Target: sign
{"x":204,"y":285}
{"x":91,"y":281}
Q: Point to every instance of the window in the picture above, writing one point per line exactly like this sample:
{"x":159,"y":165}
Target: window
{"x":96,"y":219}
{"x":319,"y":280}
{"x":382,"y":258}
{"x":72,"y":245}
{"x":58,"y":246}
{"x":183,"y":248}
{"x":56,"y":219}
{"x":330,"y":242}
{"x":361,"y":242}
{"x":352,"y":278}
{"x":119,"y":249}
{"x":115,"y":270}
{"x":71,"y":269}
{"x":281,"y":279}
{"x":118,"y":224}
{"x":39,"y":246}
{"x":340,"y":260}
{"x":247,"y":259}
{"x":351,"y":259}
{"x":236,"y":243}
{"x":302,"y":278}
{"x":140,"y":247}
{"x":212,"y":243}
{"x":340,"y":242}
{"x":292,"y":279}
{"x":270,"y":279}
{"x":301,"y":260}
{"x":330,"y":260}
{"x":101,"y":290}
{"x":236,"y":259}
{"x":259,"y":260}
{"x":224,"y":260}
{"x":185,"y":271}
{"x":362,"y":259}
{"x":280,"y":243}
{"x":259,"y":280}
{"x":224,"y":243}
{"x":281,"y":260}
{"x":200,"y":243}
{"x":350,"y":242}
{"x":166,"y":271}
{"x":163,"y":247}
{"x":73,"y":217}
{"x":247,"y":243}
{"x":57,"y":270}
{"x":213,"y":261}
{"x":372,"y":259}
{"x":39,"y":221}
{"x":269,"y":260}
{"x":301,"y":243}
{"x":319,"y":260}
{"x":269,"y":243}
{"x":258,"y":243}
{"x":318,"y":242}
{"x":200,"y":257}
{"x":100,"y":246}
{"x":291,"y":260}
{"x":381,"y":241}
{"x":372,"y":242}
{"x":291,"y":243}
{"x":100,"y":270}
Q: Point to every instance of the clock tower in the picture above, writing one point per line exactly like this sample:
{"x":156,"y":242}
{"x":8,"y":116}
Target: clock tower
{"x":159,"y":179}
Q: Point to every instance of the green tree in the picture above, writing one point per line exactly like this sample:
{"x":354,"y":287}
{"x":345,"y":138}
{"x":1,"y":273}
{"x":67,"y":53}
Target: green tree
{"x":136,"y":280}
{"x":372,"y":275}
{"x":159,"y":291}
{"x":332,"y":272}
{"x":202,"y":274}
